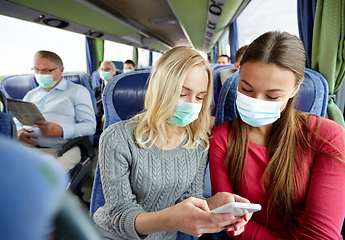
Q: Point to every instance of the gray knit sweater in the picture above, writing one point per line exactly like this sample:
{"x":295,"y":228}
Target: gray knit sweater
{"x":143,"y":180}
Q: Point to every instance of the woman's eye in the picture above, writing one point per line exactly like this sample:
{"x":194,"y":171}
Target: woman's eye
{"x":200,"y":98}
{"x":246,"y":90}
{"x":274,"y":98}
{"x":182,"y":95}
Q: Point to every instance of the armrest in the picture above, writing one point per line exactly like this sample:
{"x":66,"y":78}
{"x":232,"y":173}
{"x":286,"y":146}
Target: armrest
{"x":82,"y":142}
{"x":72,"y":223}
{"x":4,"y":102}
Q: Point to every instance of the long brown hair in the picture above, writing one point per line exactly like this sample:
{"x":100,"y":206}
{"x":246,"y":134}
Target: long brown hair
{"x":280,"y":179}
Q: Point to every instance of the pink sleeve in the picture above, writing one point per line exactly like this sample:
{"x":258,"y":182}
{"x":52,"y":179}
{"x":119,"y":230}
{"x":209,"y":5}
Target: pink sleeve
{"x":221,"y":183}
{"x":325,"y":208}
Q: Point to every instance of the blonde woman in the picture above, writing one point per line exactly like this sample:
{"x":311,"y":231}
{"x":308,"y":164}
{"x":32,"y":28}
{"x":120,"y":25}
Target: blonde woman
{"x":290,"y":162}
{"x":152,"y":166}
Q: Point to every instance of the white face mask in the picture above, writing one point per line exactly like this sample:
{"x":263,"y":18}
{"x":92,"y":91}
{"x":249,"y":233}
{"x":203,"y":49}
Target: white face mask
{"x":256,"y":112}
{"x":127,"y":70}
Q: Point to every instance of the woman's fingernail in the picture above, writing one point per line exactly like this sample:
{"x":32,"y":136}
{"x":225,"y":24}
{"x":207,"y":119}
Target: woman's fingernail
{"x":232,"y":217}
{"x":230,"y":229}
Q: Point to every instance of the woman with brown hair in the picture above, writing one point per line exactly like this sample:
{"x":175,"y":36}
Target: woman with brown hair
{"x":290,"y":162}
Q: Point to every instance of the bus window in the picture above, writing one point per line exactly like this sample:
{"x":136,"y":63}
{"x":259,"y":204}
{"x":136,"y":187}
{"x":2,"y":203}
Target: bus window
{"x":117,"y":52}
{"x":143,"y":58}
{"x":155,"y":57}
{"x":22,"y":39}
{"x":257,"y":18}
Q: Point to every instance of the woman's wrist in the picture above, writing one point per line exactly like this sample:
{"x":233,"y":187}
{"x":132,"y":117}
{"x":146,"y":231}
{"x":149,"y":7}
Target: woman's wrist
{"x":151,"y":222}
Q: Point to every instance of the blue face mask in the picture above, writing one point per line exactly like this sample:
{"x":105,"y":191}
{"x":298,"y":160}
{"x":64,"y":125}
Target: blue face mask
{"x":256,"y":112}
{"x":45,"y":80}
{"x":185,"y":113}
{"x":105,"y":75}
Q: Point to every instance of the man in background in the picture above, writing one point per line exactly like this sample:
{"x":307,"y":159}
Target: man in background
{"x":128,"y":66}
{"x":223,"y":60}
{"x":67,"y":108}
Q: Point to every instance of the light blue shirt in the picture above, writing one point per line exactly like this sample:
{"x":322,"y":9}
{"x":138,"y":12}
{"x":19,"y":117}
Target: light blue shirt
{"x":67,"y":104}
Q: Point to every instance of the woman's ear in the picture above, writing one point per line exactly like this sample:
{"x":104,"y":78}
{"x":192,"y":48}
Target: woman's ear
{"x":295,"y":91}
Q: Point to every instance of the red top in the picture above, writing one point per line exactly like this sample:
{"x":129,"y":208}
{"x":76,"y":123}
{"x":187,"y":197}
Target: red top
{"x":324,"y":211}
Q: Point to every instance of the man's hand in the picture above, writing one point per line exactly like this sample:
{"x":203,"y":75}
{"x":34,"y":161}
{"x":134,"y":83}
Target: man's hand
{"x":49,"y":129}
{"x":24,"y":135}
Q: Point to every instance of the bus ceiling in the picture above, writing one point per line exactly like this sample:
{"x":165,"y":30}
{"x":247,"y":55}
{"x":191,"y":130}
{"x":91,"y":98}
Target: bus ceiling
{"x":156,"y":25}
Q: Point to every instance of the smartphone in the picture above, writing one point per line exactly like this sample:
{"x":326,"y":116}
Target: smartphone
{"x":238,"y":208}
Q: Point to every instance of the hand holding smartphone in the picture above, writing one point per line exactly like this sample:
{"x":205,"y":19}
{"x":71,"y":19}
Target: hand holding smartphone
{"x":237,"y":208}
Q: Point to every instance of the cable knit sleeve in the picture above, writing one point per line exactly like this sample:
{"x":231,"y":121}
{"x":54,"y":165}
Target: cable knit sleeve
{"x":120,"y":202}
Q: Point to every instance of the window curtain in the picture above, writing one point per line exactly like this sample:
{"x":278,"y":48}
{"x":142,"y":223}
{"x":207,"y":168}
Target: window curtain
{"x":210,"y":56}
{"x":233,"y":40}
{"x":328,"y":51}
{"x":150,"y":59}
{"x":215,"y":53}
{"x":306,"y":14}
{"x":94,"y":53}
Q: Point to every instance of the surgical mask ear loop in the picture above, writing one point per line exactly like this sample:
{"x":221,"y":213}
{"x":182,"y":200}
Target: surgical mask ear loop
{"x":289,"y":95}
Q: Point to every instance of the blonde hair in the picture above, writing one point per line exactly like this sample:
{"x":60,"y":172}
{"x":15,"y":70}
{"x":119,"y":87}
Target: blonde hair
{"x":164,"y":89}
{"x":51,"y":56}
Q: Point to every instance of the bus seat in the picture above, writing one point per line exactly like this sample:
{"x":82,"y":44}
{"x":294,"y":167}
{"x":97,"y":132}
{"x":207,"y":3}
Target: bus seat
{"x":7,"y":126}
{"x":95,"y":79}
{"x":217,"y":66}
{"x":82,"y":171}
{"x":83,"y":79}
{"x":144,"y":68}
{"x":17,"y":86}
{"x":217,"y":82}
{"x":35,"y":198}
{"x":118,"y":65}
{"x":123,"y":97}
{"x":312,"y":96}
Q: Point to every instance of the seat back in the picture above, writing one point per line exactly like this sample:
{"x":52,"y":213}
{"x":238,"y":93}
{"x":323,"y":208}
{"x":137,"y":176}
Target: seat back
{"x":123,"y":97}
{"x":118,"y":65}
{"x":217,"y":83}
{"x":32,"y":187}
{"x":34,"y":198}
{"x":8,"y":128}
{"x":83,"y":79}
{"x":17,"y":86}
{"x":312,"y":96}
